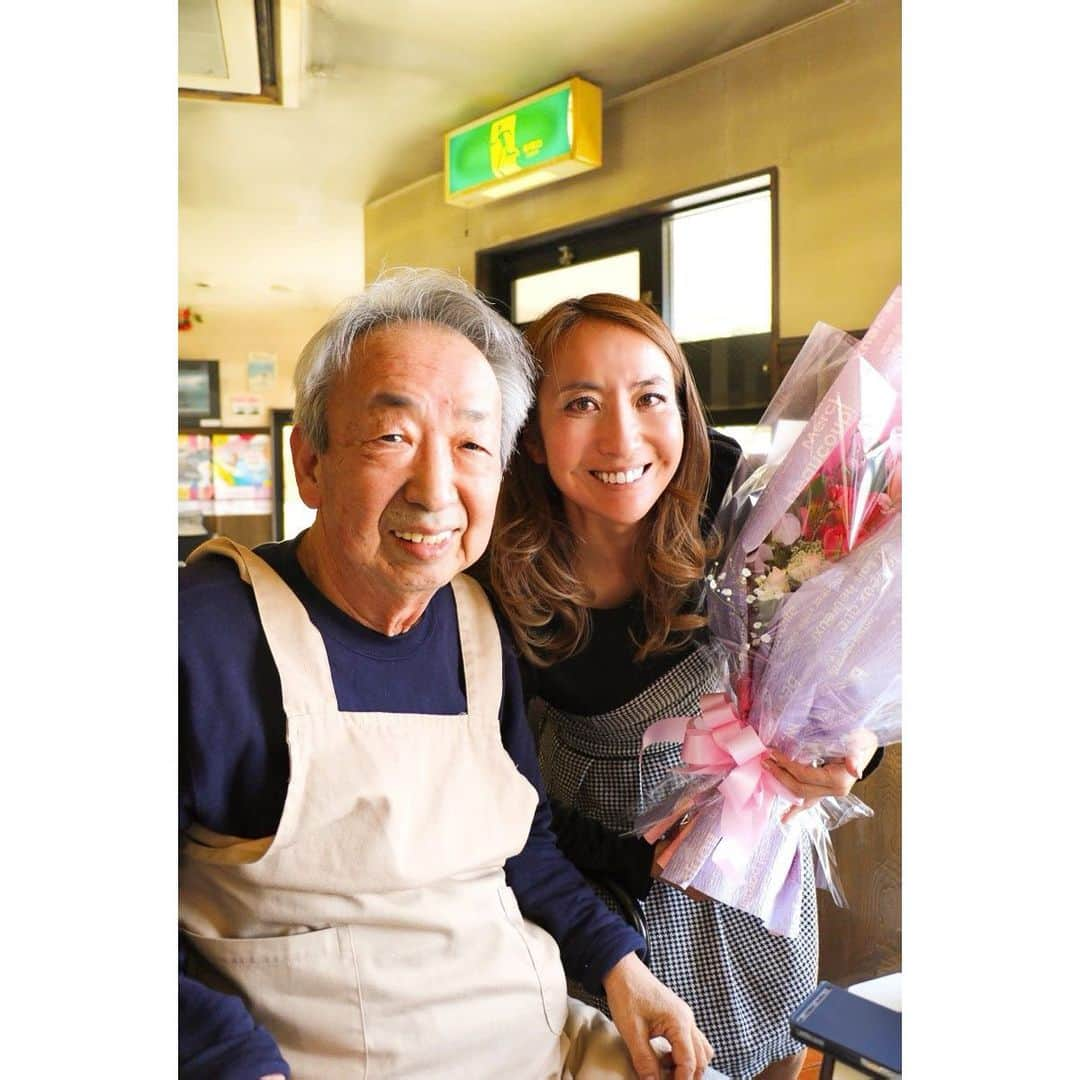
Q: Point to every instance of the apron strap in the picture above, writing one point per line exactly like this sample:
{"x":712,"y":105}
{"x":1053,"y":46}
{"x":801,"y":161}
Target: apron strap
{"x":296,"y":646}
{"x":481,"y":648}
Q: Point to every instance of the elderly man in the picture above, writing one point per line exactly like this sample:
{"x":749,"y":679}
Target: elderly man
{"x":368,"y":882}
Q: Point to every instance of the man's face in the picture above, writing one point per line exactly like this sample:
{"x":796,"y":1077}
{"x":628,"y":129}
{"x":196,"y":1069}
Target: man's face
{"x":406,"y":490}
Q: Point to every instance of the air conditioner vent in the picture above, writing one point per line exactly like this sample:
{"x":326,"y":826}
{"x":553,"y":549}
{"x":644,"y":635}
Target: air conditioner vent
{"x":219,"y":49}
{"x":202,"y":50}
{"x":240,"y":50}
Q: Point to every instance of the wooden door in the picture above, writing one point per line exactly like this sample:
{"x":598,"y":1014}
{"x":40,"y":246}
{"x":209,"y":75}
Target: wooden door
{"x":863,"y":941}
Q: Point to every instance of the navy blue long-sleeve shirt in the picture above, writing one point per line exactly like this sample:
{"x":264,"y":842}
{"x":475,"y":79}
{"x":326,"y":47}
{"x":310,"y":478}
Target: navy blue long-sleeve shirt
{"x":234,"y":769}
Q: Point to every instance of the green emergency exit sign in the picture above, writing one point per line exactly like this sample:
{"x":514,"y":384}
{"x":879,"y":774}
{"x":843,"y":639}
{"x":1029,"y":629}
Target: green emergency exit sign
{"x":541,"y":138}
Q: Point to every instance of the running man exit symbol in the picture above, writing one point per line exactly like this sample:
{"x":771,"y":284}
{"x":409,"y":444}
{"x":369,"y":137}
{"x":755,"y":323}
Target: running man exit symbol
{"x":504,"y":151}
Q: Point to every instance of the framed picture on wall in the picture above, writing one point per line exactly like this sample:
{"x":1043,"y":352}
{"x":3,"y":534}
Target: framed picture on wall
{"x":199,"y":392}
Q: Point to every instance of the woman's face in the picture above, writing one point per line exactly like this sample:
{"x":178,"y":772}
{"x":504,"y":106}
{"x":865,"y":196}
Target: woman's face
{"x":610,"y":430}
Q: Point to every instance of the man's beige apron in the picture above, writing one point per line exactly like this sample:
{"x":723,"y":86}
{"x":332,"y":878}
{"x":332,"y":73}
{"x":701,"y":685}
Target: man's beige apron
{"x":374,"y":934}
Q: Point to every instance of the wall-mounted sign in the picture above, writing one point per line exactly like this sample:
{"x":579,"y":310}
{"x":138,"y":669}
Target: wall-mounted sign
{"x":541,"y":138}
{"x":246,"y":404}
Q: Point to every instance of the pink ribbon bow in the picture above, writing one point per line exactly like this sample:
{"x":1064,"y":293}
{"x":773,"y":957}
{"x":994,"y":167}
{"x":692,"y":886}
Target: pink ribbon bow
{"x":719,"y":742}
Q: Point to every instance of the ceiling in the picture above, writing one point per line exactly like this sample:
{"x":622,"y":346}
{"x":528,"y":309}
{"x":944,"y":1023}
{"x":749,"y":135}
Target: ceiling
{"x":272,"y":199}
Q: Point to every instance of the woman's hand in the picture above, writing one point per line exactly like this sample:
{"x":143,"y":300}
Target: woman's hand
{"x":812,"y":783}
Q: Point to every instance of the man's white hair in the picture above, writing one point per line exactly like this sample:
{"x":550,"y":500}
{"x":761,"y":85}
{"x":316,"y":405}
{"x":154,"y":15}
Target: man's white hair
{"x":407,"y":295}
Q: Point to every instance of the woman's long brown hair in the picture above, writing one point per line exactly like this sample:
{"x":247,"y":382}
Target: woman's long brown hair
{"x":532,"y":554}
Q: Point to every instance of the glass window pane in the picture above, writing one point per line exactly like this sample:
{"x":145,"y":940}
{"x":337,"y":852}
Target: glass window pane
{"x":721,"y":269}
{"x":531,"y":296}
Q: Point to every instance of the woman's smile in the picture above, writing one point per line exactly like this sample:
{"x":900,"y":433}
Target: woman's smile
{"x":621,"y":477}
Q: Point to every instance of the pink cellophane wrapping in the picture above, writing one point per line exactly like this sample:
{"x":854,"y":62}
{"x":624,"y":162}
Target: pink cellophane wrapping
{"x":804,"y":610}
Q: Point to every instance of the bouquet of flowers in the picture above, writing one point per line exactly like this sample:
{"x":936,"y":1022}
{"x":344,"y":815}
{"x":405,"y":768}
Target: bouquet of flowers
{"x":804,"y":614}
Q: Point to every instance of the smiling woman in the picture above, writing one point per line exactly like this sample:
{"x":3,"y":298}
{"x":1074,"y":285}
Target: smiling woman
{"x":610,"y":415}
{"x":617,"y":396}
{"x":598,"y":556}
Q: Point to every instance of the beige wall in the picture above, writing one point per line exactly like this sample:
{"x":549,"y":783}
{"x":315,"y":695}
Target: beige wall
{"x":821,"y":102}
{"x":229,"y":334}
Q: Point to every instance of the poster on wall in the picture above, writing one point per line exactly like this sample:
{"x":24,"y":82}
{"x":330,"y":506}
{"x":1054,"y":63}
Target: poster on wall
{"x":243,"y":474}
{"x":261,"y":372}
{"x":246,"y":404}
{"x":196,"y":482}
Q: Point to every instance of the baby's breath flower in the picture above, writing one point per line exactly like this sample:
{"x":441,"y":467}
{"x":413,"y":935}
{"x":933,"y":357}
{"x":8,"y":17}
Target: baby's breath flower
{"x":806,"y":563}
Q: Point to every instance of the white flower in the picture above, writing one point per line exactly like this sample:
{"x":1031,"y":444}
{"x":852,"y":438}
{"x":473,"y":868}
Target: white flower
{"x":806,"y":564}
{"x":787,"y":530}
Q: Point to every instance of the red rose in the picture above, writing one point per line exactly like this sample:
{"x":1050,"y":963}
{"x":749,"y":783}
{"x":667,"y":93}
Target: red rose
{"x":834,"y":541}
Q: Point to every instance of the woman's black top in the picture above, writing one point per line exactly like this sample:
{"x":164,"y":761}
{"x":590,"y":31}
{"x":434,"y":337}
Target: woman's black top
{"x":605,"y":675}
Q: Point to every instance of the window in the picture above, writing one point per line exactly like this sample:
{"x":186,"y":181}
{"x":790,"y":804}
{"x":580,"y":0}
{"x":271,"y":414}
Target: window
{"x":721,"y":269}
{"x":719,"y":296}
{"x":533,"y":295}
{"x":706,"y":261}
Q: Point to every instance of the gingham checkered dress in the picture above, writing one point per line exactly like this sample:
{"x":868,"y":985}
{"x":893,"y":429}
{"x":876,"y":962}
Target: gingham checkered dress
{"x":741,"y":981}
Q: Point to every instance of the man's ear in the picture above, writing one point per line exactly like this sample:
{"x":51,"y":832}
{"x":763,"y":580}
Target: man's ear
{"x":533,"y":444}
{"x":306,"y":468}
